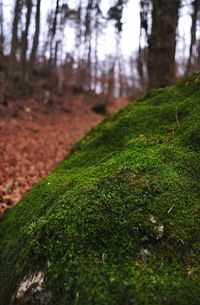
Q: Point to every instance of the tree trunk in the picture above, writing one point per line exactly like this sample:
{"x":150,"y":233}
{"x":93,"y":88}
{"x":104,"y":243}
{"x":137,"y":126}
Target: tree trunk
{"x":111,"y":85}
{"x":14,"y":41}
{"x":78,"y":42}
{"x":88,"y":41}
{"x":25,"y":45}
{"x":89,"y":64}
{"x":53,"y":34}
{"x":35,"y":41}
{"x":162,"y":43}
{"x":1,"y":29}
{"x":96,"y":58}
{"x":196,"y":8}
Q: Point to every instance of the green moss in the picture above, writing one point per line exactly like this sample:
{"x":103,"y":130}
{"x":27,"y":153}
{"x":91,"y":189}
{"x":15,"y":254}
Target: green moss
{"x":117,"y":222}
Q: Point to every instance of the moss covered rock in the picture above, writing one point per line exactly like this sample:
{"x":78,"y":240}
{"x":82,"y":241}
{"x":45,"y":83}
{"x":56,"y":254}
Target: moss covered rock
{"x":117,"y":222}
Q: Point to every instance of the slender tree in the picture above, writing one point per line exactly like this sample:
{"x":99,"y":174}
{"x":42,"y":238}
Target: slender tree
{"x":78,"y":39}
{"x":53,"y":33}
{"x":88,"y":39}
{"x":1,"y":29}
{"x":35,"y":40}
{"x":162,"y":43}
{"x":195,"y":11}
{"x":116,"y":13}
{"x":14,"y":41}
{"x":110,"y":86}
{"x":25,"y":44}
{"x":141,"y":59}
{"x":96,"y":46}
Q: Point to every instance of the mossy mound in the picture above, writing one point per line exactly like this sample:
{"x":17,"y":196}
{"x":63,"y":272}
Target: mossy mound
{"x":117,"y":222}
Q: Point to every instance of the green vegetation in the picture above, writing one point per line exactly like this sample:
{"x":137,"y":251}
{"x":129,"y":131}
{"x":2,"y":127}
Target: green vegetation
{"x":117,"y":222}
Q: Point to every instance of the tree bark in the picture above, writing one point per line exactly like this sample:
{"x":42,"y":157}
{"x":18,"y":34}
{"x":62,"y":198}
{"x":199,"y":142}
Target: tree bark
{"x":162,"y":43}
{"x":53,"y":34}
{"x":25,"y":44}
{"x":35,"y":41}
{"x":196,"y":8}
{"x":14,"y":41}
{"x":1,"y":29}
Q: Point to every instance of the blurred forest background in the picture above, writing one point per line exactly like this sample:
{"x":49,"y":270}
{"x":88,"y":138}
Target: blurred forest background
{"x":58,"y":75}
{"x":31,"y":46}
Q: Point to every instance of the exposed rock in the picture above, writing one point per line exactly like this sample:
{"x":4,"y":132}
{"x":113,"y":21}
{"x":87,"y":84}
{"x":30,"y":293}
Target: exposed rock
{"x":31,"y":292}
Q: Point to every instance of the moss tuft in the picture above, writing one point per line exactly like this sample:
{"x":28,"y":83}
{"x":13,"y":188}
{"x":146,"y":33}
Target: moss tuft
{"x":117,"y":222}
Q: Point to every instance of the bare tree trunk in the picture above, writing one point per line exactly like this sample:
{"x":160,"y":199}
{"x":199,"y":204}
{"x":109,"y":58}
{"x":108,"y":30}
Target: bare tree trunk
{"x":1,"y":29}
{"x":111,"y":78}
{"x":53,"y":34}
{"x":141,"y":62}
{"x":96,"y":59}
{"x":89,"y":64}
{"x":55,"y":60}
{"x":162,"y":43}
{"x":35,"y":41}
{"x":88,"y":40}
{"x":119,"y":62}
{"x":103,"y":78}
{"x":78,"y":42}
{"x":25,"y":44}
{"x":198,"y":53}
{"x":141,"y":59}
{"x":14,"y":41}
{"x":196,"y":8}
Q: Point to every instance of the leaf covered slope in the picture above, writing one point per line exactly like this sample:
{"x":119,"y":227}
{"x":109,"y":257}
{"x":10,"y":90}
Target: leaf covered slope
{"x":117,"y":222}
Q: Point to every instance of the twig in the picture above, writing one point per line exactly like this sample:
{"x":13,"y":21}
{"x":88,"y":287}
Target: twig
{"x":177,"y":120}
{"x":105,"y":157}
{"x":170,"y":209}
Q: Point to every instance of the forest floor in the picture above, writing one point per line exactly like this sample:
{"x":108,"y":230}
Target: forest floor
{"x":35,"y":137}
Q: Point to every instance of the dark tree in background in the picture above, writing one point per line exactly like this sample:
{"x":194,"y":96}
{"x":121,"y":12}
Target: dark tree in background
{"x":15,"y":41}
{"x":195,"y":11}
{"x":25,"y":33}
{"x":162,"y":43}
{"x":145,"y":11}
{"x":53,"y":42}
{"x":35,"y":41}
{"x":1,"y":29}
{"x":116,"y":13}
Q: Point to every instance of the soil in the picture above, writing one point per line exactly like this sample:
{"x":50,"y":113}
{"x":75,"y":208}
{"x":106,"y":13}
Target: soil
{"x":35,"y":137}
